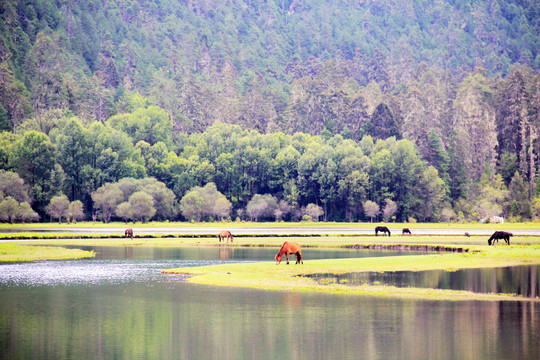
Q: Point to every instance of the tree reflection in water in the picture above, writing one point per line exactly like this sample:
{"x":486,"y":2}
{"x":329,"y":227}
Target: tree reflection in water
{"x":520,"y":280}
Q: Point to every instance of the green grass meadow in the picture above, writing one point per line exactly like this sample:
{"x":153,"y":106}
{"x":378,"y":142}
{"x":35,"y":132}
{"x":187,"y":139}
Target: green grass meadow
{"x":458,"y":252}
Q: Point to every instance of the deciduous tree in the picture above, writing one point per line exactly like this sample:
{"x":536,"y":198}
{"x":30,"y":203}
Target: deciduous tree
{"x":58,"y":207}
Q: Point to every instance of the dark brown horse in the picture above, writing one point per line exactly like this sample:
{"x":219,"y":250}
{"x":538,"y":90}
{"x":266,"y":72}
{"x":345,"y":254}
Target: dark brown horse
{"x":225,"y":234}
{"x":500,"y":235}
{"x":406,"y":231}
{"x":289,"y":247}
{"x":382,"y":229}
{"x":129,"y":233}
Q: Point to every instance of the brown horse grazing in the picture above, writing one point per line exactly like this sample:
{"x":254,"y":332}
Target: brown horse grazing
{"x":500,"y":235}
{"x":289,"y":247}
{"x":225,"y":234}
{"x":129,"y":233}
{"x":406,"y":231}
{"x":382,"y":229}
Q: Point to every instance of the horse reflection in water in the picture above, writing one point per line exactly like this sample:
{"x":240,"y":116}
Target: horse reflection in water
{"x":289,"y":247}
{"x":225,"y":253}
{"x":225,"y":234}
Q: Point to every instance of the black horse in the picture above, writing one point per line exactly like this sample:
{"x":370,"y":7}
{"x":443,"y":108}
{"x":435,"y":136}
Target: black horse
{"x":382,"y":229}
{"x":500,"y":235}
{"x":406,"y":231}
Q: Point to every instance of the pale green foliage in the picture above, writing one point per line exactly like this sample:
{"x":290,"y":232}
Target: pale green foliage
{"x":123,"y":211}
{"x":8,"y":209}
{"x":313,"y":212}
{"x":75,"y":211}
{"x":262,"y":207}
{"x":205,"y":202}
{"x":142,"y":206}
{"x":371,"y":209}
{"x":12,"y":185}
{"x":26,"y":214}
{"x":58,"y":207}
{"x":390,"y":208}
{"x":447,"y":214}
{"x":108,"y":197}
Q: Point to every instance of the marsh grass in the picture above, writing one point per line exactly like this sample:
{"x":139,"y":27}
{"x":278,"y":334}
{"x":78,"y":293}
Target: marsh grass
{"x":16,"y":252}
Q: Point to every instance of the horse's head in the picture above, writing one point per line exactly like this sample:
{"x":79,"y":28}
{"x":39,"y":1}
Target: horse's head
{"x":278,"y":259}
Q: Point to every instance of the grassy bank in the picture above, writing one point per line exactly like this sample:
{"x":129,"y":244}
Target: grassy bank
{"x":270,"y":225}
{"x":292,"y":277}
{"x":16,"y":252}
{"x":472,"y":252}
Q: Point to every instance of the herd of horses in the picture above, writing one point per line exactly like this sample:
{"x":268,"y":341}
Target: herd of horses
{"x":292,"y":247}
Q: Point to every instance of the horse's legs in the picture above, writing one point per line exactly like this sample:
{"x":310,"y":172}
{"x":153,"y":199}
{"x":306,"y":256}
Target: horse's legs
{"x":287,"y":254}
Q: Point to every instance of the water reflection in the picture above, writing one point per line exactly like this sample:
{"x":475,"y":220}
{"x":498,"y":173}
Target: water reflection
{"x":180,"y":321}
{"x":521,"y":280}
{"x":124,"y":308}
{"x":226,"y":253}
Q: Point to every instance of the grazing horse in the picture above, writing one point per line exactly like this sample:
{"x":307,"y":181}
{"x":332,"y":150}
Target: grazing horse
{"x":289,"y":247}
{"x":225,"y":234}
{"x":406,"y":231}
{"x":129,"y":233}
{"x":500,"y":235}
{"x":382,"y":229}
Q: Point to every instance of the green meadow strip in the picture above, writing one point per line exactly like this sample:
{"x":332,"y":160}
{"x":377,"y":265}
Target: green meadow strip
{"x":16,"y":253}
{"x":268,"y":276}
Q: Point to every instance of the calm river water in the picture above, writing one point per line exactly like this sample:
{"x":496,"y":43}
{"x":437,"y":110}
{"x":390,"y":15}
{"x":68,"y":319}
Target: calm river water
{"x":119,"y":306}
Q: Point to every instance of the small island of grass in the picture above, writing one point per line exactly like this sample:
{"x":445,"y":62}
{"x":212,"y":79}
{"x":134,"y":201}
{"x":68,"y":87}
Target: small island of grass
{"x":10,"y":252}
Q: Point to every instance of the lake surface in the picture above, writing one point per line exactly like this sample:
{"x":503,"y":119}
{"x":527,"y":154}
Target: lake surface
{"x":519,"y":280}
{"x":119,"y":306}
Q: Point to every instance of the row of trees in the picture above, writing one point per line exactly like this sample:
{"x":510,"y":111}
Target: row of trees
{"x":242,"y":174}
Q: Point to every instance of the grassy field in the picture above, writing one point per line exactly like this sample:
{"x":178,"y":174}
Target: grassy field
{"x":465,"y":252}
{"x":243,"y":224}
{"x":10,"y":252}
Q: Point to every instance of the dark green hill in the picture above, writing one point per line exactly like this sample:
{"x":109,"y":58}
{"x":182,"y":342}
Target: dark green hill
{"x":83,"y":55}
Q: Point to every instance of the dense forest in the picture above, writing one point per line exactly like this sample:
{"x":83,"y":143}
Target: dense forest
{"x":269,"y":109}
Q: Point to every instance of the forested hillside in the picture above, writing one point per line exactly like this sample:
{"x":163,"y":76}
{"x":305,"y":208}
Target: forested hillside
{"x":433,"y":106}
